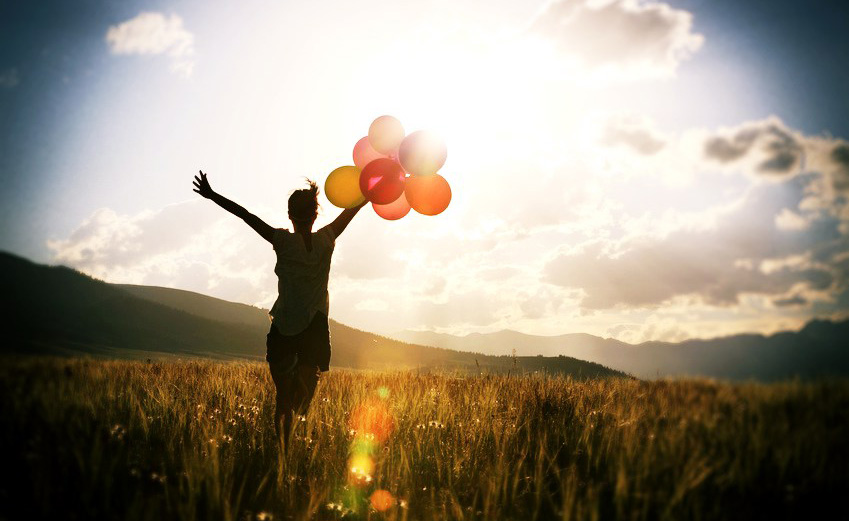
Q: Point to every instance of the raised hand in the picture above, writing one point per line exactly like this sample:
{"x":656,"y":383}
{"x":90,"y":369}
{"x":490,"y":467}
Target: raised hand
{"x":202,"y":186}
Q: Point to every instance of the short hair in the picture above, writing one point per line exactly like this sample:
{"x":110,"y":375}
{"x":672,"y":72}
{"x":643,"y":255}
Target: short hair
{"x":303,"y":203}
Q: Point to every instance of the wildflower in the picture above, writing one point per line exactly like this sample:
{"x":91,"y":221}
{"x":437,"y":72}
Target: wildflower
{"x":118,"y":431}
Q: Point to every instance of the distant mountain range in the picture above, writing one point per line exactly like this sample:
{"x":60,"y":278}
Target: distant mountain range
{"x":820,"y":348}
{"x":59,"y":311}
{"x":56,"y":310}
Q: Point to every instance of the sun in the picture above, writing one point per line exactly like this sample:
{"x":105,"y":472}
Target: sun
{"x":490,"y":101}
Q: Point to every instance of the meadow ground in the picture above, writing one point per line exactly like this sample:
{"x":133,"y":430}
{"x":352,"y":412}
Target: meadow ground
{"x":86,"y":439}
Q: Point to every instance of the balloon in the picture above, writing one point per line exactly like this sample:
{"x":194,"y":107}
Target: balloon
{"x":385,"y":134}
{"x":382,"y":181}
{"x":394,"y":210}
{"x":364,"y":153}
{"x":343,"y":187}
{"x":422,"y":153}
{"x":428,"y":194}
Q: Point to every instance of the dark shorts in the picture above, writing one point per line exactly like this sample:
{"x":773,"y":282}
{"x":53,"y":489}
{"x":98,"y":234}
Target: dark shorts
{"x":310,"y":347}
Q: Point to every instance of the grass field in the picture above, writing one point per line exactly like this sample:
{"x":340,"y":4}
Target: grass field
{"x":86,"y":439}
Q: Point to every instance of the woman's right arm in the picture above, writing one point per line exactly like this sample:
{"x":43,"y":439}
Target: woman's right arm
{"x":202,"y":187}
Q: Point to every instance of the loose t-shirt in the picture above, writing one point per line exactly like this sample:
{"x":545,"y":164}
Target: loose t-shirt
{"x":301,"y":278}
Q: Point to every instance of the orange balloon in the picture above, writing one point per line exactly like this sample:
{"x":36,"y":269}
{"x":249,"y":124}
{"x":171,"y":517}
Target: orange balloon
{"x":382,"y":181}
{"x":394,"y":210}
{"x":342,"y":187}
{"x":364,"y":153}
{"x":422,"y":153}
{"x":385,"y":134}
{"x":428,"y":194}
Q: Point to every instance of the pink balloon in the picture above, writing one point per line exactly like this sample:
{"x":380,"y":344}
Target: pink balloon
{"x":394,"y":210}
{"x":364,"y":153}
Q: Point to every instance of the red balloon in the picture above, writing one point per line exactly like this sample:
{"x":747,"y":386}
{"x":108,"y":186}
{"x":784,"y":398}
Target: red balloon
{"x":422,"y":153}
{"x":382,"y":181}
{"x":364,"y":153}
{"x":428,"y":194}
{"x":394,"y":210}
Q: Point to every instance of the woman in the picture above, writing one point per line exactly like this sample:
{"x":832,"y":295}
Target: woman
{"x":298,"y":344}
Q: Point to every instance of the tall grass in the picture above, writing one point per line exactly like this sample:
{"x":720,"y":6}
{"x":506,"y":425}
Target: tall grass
{"x":87,"y":439}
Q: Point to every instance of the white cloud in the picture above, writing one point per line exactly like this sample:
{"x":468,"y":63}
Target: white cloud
{"x":154,"y":33}
{"x":791,"y":210}
{"x":189,"y":245}
{"x":768,"y":145}
{"x":790,"y":220}
{"x":636,"y":132}
{"x":620,"y":38}
{"x":768,"y":149}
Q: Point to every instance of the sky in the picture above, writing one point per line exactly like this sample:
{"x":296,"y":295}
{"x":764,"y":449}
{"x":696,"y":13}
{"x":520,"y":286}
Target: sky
{"x":631,"y":169}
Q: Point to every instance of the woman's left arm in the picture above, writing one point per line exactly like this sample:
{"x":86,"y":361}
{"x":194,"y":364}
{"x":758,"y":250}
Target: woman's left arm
{"x":203,"y":188}
{"x":340,"y":223}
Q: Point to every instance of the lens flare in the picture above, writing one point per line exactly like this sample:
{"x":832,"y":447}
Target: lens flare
{"x":382,"y":500}
{"x":372,"y":417}
{"x":361,"y":464}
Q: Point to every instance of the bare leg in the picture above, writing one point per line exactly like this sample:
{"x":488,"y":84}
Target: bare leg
{"x":306,"y":381}
{"x":284,"y":405}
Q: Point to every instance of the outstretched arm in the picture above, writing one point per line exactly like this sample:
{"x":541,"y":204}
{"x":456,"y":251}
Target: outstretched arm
{"x":202,"y":187}
{"x":340,"y":223}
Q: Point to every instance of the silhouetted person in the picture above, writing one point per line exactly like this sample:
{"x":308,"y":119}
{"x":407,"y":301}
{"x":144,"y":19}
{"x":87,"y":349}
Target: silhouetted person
{"x":298,"y":344}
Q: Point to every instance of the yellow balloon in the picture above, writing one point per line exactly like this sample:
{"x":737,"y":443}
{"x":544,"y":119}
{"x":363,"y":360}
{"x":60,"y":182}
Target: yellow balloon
{"x":342,"y":187}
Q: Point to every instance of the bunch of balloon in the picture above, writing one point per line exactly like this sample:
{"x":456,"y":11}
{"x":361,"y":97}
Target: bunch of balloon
{"x":394,"y":172}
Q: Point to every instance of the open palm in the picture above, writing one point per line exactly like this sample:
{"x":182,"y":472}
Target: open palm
{"x":202,"y":185}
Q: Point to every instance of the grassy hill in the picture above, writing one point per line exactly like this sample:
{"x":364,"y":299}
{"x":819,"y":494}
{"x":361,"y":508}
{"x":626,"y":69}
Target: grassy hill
{"x":56,"y":310}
